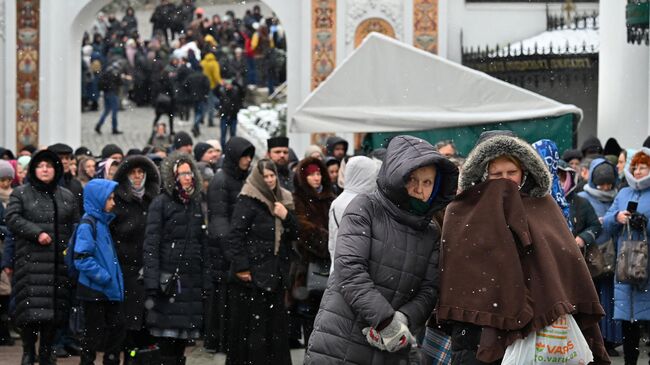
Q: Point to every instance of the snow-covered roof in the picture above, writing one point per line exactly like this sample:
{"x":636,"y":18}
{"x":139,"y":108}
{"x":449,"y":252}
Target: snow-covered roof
{"x":570,"y":40}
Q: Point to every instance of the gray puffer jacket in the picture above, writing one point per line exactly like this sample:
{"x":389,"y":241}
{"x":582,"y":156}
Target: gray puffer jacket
{"x":386,"y":260}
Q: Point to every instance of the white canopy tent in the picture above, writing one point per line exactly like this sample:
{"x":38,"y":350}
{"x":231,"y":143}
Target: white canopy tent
{"x":386,"y":85}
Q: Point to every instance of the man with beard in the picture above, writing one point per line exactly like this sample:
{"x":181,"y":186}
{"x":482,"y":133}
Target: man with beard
{"x":278,"y":152}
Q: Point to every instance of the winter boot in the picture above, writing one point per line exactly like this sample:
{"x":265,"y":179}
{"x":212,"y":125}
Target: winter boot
{"x":28,"y":358}
{"x":29,"y":347}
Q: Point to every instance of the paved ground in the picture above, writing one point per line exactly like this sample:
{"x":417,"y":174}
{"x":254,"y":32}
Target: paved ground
{"x":195,"y":356}
{"x":136,"y":123}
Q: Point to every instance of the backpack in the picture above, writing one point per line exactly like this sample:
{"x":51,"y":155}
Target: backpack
{"x":68,"y":254}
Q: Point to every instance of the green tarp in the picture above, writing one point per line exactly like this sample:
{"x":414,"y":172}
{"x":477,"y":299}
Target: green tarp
{"x":558,"y":129}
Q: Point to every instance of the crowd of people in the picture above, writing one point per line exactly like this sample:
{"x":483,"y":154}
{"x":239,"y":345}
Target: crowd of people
{"x":355,"y":258}
{"x":190,"y":63}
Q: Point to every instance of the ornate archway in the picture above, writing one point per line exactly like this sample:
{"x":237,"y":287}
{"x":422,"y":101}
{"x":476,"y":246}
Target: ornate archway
{"x":370,"y":25}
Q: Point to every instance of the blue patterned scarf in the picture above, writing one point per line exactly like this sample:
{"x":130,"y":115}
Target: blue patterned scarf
{"x":549,"y":153}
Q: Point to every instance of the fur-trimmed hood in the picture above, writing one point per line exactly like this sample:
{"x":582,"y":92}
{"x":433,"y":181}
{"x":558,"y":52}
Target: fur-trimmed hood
{"x":538,"y":179}
{"x":167,"y":173}
{"x":151,"y":185}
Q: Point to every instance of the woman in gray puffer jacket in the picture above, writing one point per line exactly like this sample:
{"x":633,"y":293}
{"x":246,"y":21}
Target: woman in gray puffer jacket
{"x":384,"y":284}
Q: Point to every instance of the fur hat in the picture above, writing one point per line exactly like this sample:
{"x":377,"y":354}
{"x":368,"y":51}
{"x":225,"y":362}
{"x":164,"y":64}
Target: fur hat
{"x":61,"y":149}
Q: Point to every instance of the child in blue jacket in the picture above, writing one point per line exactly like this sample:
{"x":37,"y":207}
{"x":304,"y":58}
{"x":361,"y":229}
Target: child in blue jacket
{"x":101,"y":287}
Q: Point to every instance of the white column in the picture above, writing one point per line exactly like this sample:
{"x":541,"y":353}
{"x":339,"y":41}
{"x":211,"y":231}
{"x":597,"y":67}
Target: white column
{"x":622,"y":80}
{"x":8,"y":74}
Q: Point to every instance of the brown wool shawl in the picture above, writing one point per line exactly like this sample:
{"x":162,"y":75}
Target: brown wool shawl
{"x":510,"y":265}
{"x":256,"y":188}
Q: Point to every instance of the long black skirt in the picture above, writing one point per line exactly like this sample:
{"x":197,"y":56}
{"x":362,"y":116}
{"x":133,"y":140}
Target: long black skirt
{"x":258,"y":332}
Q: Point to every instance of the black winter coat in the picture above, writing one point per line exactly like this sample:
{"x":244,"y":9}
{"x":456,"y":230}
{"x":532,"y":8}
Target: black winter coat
{"x":222,"y":196}
{"x":386,"y":260}
{"x":42,"y":288}
{"x":251,"y":243}
{"x":585,"y":221}
{"x":175,"y":239}
{"x":128,"y":231}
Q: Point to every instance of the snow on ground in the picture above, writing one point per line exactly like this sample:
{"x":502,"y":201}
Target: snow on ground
{"x":261,"y":122}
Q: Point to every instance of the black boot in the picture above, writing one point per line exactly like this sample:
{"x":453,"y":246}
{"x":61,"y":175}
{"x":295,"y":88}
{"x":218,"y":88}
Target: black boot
{"x":29,"y":346}
{"x":28,"y":358}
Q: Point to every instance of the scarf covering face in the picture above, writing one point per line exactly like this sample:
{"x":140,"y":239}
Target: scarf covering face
{"x":521,"y":268}
{"x":602,"y":196}
{"x":138,"y":192}
{"x":256,"y":188}
{"x":549,"y":153}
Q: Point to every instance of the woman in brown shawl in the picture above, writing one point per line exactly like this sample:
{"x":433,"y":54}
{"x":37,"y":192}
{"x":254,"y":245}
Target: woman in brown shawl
{"x":258,"y":247}
{"x":509,"y":264}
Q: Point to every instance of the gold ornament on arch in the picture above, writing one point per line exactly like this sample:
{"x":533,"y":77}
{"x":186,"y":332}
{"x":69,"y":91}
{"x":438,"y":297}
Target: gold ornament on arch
{"x":377,"y":25}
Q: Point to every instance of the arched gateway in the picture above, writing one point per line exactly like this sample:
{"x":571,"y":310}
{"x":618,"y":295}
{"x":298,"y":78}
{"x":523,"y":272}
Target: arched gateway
{"x":40,"y":52}
{"x":46,"y":100}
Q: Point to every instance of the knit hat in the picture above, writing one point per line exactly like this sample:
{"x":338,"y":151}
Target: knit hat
{"x":569,"y":155}
{"x":83,"y":151}
{"x":6,"y":170}
{"x":310,"y":169}
{"x":612,"y":148}
{"x":591,"y":146}
{"x":200,"y":149}
{"x":605,"y":173}
{"x":23,"y":161}
{"x":215,"y":144}
{"x":134,"y":152}
{"x":182,"y":139}
{"x":61,"y":149}
{"x":111,"y":149}
{"x":277,"y":142}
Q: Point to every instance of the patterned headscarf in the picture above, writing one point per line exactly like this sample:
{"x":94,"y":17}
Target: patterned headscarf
{"x":547,"y":149}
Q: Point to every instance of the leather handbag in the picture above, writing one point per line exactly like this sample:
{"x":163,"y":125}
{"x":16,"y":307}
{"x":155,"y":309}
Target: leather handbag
{"x":632,"y":260}
{"x":595,"y":260}
{"x":609,"y":256}
{"x":318,"y":272}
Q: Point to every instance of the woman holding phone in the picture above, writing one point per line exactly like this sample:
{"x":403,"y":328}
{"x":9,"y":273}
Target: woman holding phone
{"x":629,"y":214}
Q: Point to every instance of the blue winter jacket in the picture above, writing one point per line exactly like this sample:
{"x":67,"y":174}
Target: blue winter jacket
{"x":100,"y":275}
{"x":630,"y":303}
{"x":600,"y":207}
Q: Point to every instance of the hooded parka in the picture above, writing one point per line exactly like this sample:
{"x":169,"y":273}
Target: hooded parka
{"x":386,"y":260}
{"x":360,"y":178}
{"x":222,"y":196}
{"x":175,"y":238}
{"x":100,"y":274}
{"x":128,"y":230}
{"x":42,"y":287}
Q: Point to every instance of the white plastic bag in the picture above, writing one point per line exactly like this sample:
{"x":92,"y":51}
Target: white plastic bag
{"x":561,"y":342}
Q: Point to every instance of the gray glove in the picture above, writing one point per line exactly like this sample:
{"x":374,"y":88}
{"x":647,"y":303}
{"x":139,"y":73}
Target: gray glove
{"x":400,"y":336}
